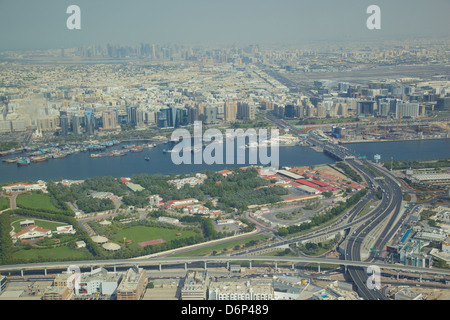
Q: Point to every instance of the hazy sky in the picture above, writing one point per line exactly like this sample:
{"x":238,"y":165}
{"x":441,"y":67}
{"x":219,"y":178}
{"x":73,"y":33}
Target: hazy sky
{"x":41,"y":24}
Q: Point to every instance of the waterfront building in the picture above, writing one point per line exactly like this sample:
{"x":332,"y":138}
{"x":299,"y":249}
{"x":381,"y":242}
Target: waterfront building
{"x":109,"y":119}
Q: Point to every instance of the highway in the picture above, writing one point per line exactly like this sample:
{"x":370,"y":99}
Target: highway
{"x":388,"y":209}
{"x":356,"y":229}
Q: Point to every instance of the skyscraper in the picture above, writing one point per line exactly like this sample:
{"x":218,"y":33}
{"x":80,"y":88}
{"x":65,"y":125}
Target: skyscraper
{"x":132,"y":115}
{"x":89,"y":121}
{"x":64,"y":123}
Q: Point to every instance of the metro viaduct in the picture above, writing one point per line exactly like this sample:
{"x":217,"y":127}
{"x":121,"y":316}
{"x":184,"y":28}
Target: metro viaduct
{"x":224,"y":259}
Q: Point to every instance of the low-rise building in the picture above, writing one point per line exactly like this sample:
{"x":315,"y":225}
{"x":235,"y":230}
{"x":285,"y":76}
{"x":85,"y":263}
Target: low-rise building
{"x":32,"y":232}
{"x":133,"y":284}
{"x":25,"y":187}
{"x":195,"y":286}
{"x":65,"y":230}
{"x":98,"y":281}
{"x":57,"y":293}
{"x":241,"y":290}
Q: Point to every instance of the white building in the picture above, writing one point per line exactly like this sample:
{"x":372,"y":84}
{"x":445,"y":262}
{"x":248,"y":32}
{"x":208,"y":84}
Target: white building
{"x":446,"y":245}
{"x":25,"y":187}
{"x":65,"y":230}
{"x":169,"y":220}
{"x":98,"y":281}
{"x":32,"y":232}
{"x":255,"y":290}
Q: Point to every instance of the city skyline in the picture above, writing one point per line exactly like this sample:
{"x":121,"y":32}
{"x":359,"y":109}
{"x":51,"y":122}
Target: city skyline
{"x":42,"y":25}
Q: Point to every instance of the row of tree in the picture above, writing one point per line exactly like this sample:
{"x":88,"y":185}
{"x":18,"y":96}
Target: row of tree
{"x":349,"y":171}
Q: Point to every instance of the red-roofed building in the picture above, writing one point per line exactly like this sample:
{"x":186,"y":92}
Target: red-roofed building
{"x":307,"y":183}
{"x":32,"y":232}
{"x":24,"y":187}
{"x":124,"y":180}
{"x":181,"y":203}
{"x":225,"y":172}
{"x":319,"y":183}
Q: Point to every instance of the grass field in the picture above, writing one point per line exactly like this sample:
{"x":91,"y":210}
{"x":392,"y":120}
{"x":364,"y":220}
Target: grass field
{"x":206,"y":251}
{"x":4,"y":203}
{"x":35,"y":201}
{"x":51,"y":225}
{"x":144,"y":233}
{"x":58,"y":253}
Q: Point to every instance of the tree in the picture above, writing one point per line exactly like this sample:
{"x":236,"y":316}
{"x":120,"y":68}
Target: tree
{"x":282,"y":232}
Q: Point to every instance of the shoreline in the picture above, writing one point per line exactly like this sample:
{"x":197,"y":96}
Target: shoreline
{"x":391,"y":140}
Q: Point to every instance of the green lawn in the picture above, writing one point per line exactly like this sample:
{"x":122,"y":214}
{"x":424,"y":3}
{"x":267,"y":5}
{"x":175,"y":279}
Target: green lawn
{"x":207,"y":251}
{"x":144,"y":233}
{"x":4,"y":203}
{"x":58,"y":253}
{"x":35,"y":201}
{"x":51,"y":225}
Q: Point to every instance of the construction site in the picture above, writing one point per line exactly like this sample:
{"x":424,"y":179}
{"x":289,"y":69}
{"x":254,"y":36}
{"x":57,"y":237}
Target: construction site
{"x":376,"y":129}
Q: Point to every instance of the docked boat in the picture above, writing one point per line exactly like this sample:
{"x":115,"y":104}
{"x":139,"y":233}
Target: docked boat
{"x":23,"y":162}
{"x":11,"y":160}
{"x":39,"y":159}
{"x":118,"y":153}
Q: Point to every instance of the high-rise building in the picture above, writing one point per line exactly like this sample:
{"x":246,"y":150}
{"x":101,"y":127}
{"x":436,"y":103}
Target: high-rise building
{"x":246,"y":111}
{"x":140,"y":123}
{"x":132,"y":115}
{"x":75,"y":122}
{"x":289,"y":111}
{"x":210,"y":115}
{"x":230,"y":110}
{"x":443,"y":103}
{"x":89,"y":121}
{"x":49,"y":123}
{"x":407,"y":109}
{"x":321,"y":110}
{"x":109,"y":119}
{"x":193,"y":114}
{"x":342,"y":110}
{"x":182,"y":118}
{"x":167,"y":118}
{"x":365,"y":107}
{"x":64,"y":123}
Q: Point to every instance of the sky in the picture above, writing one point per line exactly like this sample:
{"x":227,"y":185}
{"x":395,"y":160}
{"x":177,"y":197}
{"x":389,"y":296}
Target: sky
{"x":41,"y":24}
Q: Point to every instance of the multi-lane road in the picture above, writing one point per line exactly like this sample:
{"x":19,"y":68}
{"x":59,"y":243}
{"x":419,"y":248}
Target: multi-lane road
{"x":387,"y":211}
{"x":357,"y":229}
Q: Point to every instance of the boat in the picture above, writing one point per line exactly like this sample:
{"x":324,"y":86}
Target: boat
{"x":147,"y":158}
{"x":23,"y":162}
{"x":11,"y":160}
{"x":118,"y":153}
{"x":39,"y":159}
{"x":98,"y":155}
